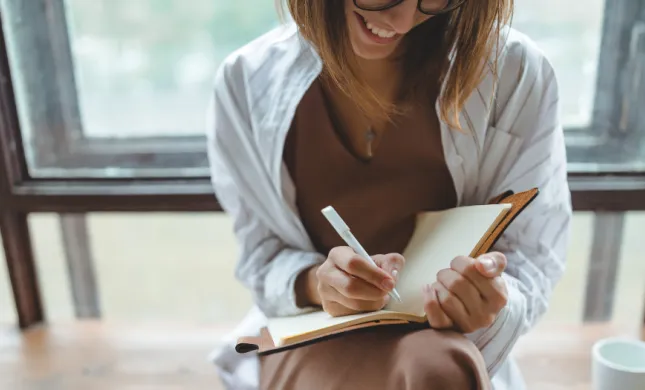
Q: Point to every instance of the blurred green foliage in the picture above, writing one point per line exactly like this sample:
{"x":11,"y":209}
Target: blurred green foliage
{"x":164,"y":32}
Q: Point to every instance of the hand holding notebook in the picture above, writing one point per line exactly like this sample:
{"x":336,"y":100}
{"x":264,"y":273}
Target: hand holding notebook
{"x":439,"y":237}
{"x":468,"y":295}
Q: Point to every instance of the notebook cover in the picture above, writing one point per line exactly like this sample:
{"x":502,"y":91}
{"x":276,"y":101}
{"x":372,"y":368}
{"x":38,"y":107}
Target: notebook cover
{"x":264,"y":344}
{"x":518,"y":202}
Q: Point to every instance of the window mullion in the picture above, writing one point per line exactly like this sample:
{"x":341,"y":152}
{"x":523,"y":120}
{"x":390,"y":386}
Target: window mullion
{"x":632,"y":121}
{"x":619,"y":19}
{"x":41,"y":60}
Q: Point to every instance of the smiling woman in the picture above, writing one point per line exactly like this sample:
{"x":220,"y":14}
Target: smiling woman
{"x":102,"y":102}
{"x":385,"y":113}
{"x":427,"y":7}
{"x":426,"y":66}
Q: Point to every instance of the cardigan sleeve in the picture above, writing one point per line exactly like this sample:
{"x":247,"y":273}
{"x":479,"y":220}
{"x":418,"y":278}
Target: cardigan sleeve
{"x":535,"y":243}
{"x":266,"y":264}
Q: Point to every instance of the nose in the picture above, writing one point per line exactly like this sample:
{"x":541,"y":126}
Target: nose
{"x":402,"y":17}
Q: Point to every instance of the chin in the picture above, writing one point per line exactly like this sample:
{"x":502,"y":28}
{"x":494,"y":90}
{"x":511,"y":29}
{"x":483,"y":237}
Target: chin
{"x":372,"y":53}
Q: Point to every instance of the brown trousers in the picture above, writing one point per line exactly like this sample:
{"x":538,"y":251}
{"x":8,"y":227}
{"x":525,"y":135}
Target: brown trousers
{"x":379,"y":358}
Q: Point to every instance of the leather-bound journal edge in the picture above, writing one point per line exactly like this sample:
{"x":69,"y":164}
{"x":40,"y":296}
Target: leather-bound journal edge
{"x":519,"y":202}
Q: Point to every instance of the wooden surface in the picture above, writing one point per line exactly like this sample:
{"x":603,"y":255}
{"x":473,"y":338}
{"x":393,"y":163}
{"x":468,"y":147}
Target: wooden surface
{"x":89,"y":355}
{"x":559,"y":358}
{"x":92,"y":355}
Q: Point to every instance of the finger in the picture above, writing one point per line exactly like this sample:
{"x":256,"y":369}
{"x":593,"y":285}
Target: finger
{"x":335,"y":309}
{"x":491,"y":289}
{"x":351,"y":286}
{"x":391,"y":263}
{"x":464,"y":289}
{"x":453,"y":307}
{"x":436,"y":316}
{"x":357,"y":305}
{"x":498,"y":296}
{"x":491,"y":264}
{"x":357,"y":266}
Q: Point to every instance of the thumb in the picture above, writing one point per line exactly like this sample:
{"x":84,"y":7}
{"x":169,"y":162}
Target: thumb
{"x":491,"y":264}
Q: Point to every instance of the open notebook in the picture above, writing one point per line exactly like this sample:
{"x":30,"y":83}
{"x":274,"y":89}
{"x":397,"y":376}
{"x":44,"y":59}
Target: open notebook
{"x":439,"y":237}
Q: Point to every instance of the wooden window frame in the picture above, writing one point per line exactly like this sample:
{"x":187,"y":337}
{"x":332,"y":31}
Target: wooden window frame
{"x":614,"y":128}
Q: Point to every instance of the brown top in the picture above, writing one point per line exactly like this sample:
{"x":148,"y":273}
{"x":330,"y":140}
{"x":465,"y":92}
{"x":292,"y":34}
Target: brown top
{"x":378,"y":199}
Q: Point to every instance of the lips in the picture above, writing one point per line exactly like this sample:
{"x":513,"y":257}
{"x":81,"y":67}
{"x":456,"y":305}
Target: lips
{"x":376,"y":34}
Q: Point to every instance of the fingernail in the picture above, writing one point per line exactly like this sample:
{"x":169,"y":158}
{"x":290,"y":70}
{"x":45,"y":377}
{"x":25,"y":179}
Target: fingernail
{"x":488,"y":264}
{"x":388,"y":284}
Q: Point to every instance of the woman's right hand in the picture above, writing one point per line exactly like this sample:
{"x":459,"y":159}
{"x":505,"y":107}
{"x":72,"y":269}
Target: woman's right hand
{"x":349,"y":284}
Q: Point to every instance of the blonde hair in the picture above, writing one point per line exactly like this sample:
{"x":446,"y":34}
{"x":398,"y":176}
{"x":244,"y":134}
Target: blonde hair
{"x":451,"y":50}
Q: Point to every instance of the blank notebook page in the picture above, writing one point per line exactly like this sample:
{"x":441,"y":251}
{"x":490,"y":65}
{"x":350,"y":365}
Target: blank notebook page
{"x":438,"y":238}
{"x":280,"y":328}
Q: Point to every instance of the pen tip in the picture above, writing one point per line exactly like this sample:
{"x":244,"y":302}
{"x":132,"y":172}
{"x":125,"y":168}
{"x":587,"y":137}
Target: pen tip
{"x":396,"y":295}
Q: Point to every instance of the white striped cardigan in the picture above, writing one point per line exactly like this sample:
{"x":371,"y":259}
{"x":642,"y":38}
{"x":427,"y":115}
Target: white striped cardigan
{"x":515,"y":145}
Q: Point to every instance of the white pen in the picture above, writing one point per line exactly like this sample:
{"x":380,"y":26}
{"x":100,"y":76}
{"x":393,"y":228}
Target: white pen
{"x":343,"y":230}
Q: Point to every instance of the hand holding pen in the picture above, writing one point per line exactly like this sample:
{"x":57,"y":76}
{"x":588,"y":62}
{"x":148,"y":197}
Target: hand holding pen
{"x":350,"y":281}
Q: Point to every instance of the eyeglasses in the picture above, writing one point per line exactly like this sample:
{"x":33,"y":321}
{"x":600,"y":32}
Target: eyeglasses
{"x":428,"y":7}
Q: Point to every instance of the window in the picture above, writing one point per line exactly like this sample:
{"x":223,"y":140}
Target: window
{"x":119,"y":88}
{"x":597,"y":48}
{"x":571,"y":39}
{"x":102,"y":108}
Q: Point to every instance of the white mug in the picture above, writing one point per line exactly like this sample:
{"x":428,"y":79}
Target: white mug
{"x":618,"y":364}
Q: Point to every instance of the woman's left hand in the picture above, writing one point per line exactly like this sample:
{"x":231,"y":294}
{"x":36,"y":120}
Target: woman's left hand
{"x":469,"y":295}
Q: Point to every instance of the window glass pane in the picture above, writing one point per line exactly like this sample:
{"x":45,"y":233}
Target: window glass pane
{"x":566,"y":306}
{"x":177,"y":267}
{"x":569,"y":33}
{"x":567,"y":303}
{"x":630,"y":283}
{"x":180,"y":267}
{"x":51,"y":265}
{"x":106,"y":88}
{"x":145,"y":67}
{"x":170,"y":267}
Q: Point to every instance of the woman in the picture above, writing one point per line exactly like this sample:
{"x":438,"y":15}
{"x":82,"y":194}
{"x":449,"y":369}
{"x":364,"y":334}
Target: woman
{"x":386,"y":108}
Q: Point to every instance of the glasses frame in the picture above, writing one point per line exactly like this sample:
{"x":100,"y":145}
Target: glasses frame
{"x":451,"y":7}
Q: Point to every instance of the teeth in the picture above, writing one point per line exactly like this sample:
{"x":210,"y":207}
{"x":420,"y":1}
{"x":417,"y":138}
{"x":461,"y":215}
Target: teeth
{"x":379,"y":31}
